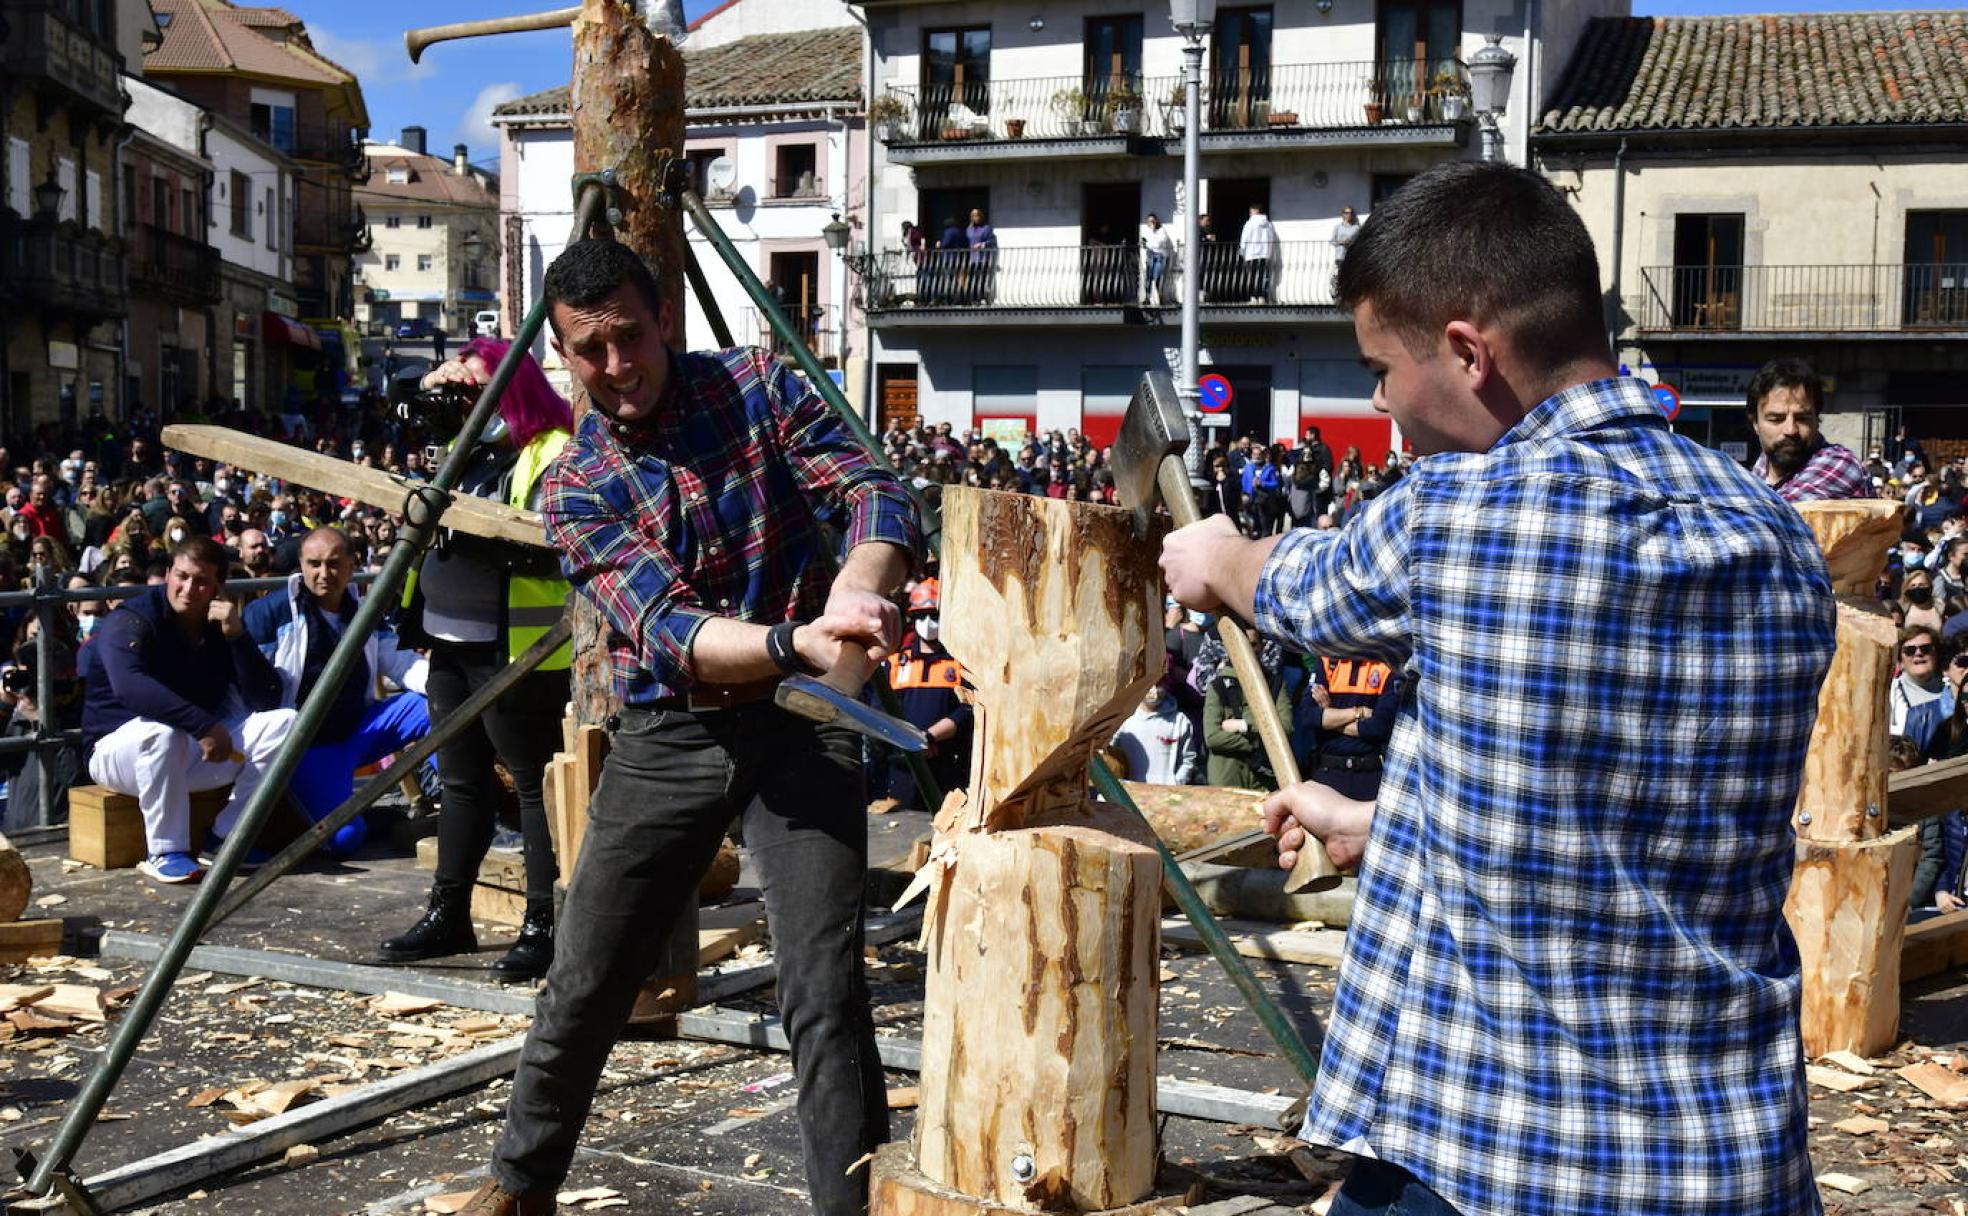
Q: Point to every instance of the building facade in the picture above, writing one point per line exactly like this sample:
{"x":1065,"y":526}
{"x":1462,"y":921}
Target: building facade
{"x":432,"y":251}
{"x":1061,"y":128}
{"x":173,"y":267}
{"x":256,"y":337}
{"x":1787,"y":185}
{"x":256,"y":68}
{"x":63,"y":294}
{"x":777,"y":144}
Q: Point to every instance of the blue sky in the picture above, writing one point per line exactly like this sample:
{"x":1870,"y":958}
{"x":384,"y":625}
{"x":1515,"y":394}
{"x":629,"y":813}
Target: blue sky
{"x":453,"y":91}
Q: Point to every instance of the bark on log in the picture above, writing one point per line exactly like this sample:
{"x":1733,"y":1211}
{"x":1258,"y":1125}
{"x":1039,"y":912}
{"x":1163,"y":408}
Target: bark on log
{"x":1054,"y":610}
{"x":1843,"y":796}
{"x":1847,"y":909}
{"x":1857,"y":535}
{"x":1039,"y":1021}
{"x":16,"y":882}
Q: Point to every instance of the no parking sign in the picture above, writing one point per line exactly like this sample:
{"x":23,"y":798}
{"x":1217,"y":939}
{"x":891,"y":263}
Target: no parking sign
{"x":1669,"y":398}
{"x":1216,"y":394}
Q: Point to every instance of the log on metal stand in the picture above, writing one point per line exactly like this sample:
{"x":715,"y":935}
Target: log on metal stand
{"x":627,"y":107}
{"x":1848,"y":898}
{"x":1038,"y":1055}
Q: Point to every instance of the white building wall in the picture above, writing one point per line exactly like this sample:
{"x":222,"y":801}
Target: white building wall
{"x":229,"y":152}
{"x":732,"y":21}
{"x":163,"y":115}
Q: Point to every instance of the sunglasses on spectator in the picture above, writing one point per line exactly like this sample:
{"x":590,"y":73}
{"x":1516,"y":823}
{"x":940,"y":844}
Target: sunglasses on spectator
{"x":1916,"y":649}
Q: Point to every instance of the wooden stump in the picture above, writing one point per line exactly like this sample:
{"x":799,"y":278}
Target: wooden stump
{"x":1038,"y":1055}
{"x":897,"y":1188}
{"x":16,"y":882}
{"x":1845,"y":771}
{"x":1847,"y":908}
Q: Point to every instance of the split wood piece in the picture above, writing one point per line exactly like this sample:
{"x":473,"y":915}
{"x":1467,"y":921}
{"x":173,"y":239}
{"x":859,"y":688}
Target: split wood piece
{"x":896,"y":1187}
{"x":16,"y":882}
{"x":1935,"y":946}
{"x":1847,"y":909}
{"x":499,"y":894}
{"x":1054,"y":610}
{"x":1190,"y":817}
{"x":1252,"y":850}
{"x":1844,"y":792}
{"x":1040,"y":1013}
{"x":1927,"y":792}
{"x":21,"y":940}
{"x":1256,"y":894}
{"x":1320,"y":947}
{"x":370,"y":487}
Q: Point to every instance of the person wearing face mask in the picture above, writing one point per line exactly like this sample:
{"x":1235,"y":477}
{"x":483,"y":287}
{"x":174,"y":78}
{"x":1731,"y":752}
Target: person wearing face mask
{"x":1917,"y":598}
{"x":1159,"y":741}
{"x":925,"y":679}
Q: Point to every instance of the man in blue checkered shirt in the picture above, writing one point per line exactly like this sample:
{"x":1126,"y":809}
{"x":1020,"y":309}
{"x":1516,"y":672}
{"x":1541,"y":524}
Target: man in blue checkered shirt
{"x":1568,"y":987}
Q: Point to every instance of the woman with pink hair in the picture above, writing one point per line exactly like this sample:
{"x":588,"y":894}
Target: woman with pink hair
{"x":477,"y":604}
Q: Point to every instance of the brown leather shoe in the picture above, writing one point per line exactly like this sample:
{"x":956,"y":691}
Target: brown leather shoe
{"x":493,"y":1200}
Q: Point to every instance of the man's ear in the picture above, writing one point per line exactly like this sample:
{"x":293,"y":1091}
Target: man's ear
{"x":1472,"y":352}
{"x":666,"y":324}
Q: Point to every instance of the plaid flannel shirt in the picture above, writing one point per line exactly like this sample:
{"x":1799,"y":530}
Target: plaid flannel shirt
{"x":1833,"y":471}
{"x":712,"y":508}
{"x":1568,"y":988}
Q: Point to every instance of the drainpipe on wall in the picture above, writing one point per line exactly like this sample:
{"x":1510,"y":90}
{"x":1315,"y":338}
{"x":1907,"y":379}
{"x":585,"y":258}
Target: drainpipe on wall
{"x":1619,"y":250}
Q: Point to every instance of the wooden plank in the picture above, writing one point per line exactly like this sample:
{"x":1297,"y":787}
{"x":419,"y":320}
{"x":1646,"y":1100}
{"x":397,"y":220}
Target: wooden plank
{"x":16,"y":882}
{"x":21,"y":940}
{"x":1935,"y":946}
{"x":1928,"y":791}
{"x":371,"y":487}
{"x":1322,"y":947}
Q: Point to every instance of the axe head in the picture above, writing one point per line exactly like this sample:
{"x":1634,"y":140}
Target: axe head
{"x":1153,"y":430}
{"x":822,"y":702}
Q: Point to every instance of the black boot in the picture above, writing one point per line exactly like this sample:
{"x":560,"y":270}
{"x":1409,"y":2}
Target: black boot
{"x":533,"y":953}
{"x":445,"y":929}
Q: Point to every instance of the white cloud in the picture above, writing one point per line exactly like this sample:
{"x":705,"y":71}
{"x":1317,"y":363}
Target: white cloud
{"x":375,"y":62}
{"x":476,"y":128}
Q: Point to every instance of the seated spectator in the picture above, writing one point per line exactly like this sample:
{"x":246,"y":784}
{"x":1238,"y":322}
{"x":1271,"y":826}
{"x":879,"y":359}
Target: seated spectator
{"x":297,"y":630}
{"x":177,"y":699}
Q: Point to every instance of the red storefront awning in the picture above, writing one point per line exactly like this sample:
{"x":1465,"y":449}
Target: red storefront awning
{"x":279,"y":327}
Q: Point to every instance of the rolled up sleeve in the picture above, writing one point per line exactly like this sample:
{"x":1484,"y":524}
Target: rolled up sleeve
{"x":638,"y":586}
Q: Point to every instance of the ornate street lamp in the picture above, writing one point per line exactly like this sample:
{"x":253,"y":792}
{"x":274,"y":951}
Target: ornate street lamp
{"x":1490,"y":70}
{"x":48,"y":197}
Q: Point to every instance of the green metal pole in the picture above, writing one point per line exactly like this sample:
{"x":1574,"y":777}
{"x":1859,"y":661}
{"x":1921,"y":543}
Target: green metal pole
{"x":694,"y":271}
{"x":1269,"y":1015}
{"x":423,"y":508}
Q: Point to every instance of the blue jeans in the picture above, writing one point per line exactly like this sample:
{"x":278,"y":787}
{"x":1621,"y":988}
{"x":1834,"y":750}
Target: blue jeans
{"x":672,"y":783}
{"x":1157,"y":271}
{"x":326,"y":775}
{"x":1379,"y":1189}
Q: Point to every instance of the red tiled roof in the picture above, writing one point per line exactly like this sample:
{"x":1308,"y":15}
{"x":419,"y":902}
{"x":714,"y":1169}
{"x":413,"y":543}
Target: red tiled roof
{"x":213,"y":36}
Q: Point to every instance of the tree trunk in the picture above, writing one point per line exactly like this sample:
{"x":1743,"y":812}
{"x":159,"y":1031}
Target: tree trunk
{"x":1038,"y":1055}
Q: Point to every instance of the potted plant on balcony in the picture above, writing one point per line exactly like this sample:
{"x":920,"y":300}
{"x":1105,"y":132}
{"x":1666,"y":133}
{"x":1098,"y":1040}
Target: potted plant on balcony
{"x":887,"y":112}
{"x":1124,"y":104}
{"x":1175,"y":111}
{"x":1071,"y":106}
{"x":1014,"y":128}
{"x":1453,"y":92}
{"x":1372,"y":106}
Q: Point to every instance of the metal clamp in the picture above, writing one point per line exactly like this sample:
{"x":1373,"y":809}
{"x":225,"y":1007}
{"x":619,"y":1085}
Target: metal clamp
{"x":608,"y":180}
{"x":80,"y":1202}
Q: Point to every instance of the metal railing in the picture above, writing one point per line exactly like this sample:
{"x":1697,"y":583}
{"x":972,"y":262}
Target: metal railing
{"x":1297,"y":274}
{"x":755,"y":329}
{"x":1299,"y":96}
{"x":1856,"y":298}
{"x":179,"y":266}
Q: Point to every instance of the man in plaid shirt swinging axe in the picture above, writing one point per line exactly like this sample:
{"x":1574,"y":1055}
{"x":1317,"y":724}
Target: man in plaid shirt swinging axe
{"x":1568,"y":987}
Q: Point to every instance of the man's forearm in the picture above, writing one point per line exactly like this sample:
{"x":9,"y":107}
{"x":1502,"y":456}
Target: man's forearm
{"x":1237,"y":572}
{"x":726,"y":651}
{"x":876,"y":567}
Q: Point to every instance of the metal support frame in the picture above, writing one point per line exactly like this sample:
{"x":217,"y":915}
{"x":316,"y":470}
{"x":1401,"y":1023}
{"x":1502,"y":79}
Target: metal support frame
{"x":423,"y":509}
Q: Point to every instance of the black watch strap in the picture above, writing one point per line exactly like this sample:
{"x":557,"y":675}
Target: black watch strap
{"x":779,"y":645}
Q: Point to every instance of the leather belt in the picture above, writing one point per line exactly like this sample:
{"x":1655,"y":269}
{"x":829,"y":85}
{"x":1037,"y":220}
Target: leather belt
{"x":1351,"y":764}
{"x":715,"y":698}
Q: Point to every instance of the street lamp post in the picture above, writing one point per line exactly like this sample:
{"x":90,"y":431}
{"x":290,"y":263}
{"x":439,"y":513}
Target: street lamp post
{"x":1489,"y":92}
{"x":1192,"y":19}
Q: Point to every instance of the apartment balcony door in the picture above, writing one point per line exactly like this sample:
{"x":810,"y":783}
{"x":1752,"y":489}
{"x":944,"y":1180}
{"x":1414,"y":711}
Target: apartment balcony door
{"x":794,"y":279}
{"x":956,"y":71}
{"x":1240,"y":83}
{"x":1417,"y":39}
{"x":1113,"y":63}
{"x":1708,"y":271}
{"x":1110,"y":224}
{"x":1936,"y":293}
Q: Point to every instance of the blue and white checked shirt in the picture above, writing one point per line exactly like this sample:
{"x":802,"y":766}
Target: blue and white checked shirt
{"x":1568,"y":987}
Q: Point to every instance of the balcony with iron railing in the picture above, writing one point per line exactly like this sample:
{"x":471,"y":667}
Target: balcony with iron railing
{"x":815,"y":321}
{"x":1289,"y":105}
{"x":59,"y":266}
{"x":1095,"y":284}
{"x":1913,"y":300}
{"x":46,"y":47}
{"x":176,"y":268}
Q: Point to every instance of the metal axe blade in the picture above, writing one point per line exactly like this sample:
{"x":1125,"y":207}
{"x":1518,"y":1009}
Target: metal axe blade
{"x":823,"y":703}
{"x":1152,"y":430}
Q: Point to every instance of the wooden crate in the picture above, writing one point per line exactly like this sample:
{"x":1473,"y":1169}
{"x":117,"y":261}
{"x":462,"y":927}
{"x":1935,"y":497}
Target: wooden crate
{"x":106,"y":830}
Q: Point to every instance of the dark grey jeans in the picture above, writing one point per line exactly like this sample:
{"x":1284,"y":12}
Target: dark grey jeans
{"x":672,"y":784}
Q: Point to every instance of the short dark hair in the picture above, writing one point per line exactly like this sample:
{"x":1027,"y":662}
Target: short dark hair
{"x":203,"y":550}
{"x":1784,"y":373}
{"x":1480,"y":241}
{"x":590,"y":271}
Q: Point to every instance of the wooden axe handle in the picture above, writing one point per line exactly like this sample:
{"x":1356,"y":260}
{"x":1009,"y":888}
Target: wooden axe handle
{"x":1313,"y":869}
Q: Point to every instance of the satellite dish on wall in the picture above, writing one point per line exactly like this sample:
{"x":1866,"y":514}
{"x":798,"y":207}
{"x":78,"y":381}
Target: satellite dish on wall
{"x":721,"y":174}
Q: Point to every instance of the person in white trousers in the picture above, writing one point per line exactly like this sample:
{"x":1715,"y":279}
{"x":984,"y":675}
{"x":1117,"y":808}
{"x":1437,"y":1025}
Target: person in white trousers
{"x":177,"y":698}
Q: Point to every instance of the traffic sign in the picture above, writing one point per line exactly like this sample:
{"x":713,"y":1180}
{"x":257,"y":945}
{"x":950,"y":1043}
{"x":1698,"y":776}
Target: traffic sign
{"x":1216,"y":393}
{"x":1214,"y":421}
{"x":1669,"y":398}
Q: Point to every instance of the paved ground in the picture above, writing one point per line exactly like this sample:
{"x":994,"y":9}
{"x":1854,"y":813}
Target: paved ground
{"x":685,"y":1127}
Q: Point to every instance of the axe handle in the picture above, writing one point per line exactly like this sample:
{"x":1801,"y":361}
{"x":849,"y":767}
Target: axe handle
{"x":1313,"y":870}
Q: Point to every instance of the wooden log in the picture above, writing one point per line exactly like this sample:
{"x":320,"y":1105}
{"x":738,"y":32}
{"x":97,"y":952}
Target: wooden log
{"x":1843,"y":796}
{"x":1259,"y":894}
{"x":1857,"y":536}
{"x":1928,"y":791}
{"x":21,"y":940}
{"x":16,"y":882}
{"x":1050,"y":606}
{"x":1847,"y":909}
{"x":1935,"y":946}
{"x":1038,"y":1049}
{"x":371,"y":487}
{"x":897,"y":1188}
{"x":1189,"y":817}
